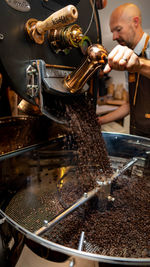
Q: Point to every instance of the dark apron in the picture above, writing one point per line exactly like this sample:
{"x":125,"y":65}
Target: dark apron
{"x":139,"y":98}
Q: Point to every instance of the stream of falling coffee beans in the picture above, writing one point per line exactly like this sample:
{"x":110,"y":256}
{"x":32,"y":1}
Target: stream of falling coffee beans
{"x":91,"y":148}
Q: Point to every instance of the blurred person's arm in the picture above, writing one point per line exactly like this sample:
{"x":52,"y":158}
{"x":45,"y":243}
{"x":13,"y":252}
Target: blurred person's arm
{"x":119,"y":113}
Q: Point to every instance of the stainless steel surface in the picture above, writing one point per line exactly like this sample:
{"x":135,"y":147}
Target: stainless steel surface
{"x":81,"y":241}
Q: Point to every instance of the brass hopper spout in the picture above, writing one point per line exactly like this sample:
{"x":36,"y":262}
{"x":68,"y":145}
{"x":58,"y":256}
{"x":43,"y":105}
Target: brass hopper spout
{"x":36,"y":29}
{"x":96,"y":58}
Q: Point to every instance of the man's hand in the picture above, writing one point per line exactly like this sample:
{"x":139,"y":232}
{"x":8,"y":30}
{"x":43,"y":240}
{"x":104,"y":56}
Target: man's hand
{"x":122,"y":58}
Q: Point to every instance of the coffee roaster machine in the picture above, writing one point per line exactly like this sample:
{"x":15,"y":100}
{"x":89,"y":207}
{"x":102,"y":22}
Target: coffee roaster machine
{"x":49,"y":54}
{"x":43,"y":42}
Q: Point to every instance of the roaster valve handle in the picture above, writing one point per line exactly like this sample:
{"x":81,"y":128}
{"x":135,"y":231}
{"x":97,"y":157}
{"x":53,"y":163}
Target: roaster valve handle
{"x":96,"y":58}
{"x":36,"y":29}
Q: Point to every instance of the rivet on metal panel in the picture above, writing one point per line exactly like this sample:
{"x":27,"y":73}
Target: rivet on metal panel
{"x":1,"y":36}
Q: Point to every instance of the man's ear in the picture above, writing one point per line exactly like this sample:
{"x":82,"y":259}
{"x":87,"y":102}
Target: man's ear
{"x":136,"y":21}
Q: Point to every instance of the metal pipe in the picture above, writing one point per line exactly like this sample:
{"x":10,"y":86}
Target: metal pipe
{"x":81,"y":242}
{"x":81,"y":201}
{"x":126,"y":167}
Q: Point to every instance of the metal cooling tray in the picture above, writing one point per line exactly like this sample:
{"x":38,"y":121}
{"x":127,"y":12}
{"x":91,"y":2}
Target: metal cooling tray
{"x":32,"y":195}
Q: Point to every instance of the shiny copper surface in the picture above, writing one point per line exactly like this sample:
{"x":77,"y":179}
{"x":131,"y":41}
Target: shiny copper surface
{"x":96,"y":58}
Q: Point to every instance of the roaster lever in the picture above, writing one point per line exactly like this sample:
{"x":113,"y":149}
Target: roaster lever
{"x":36,"y":29}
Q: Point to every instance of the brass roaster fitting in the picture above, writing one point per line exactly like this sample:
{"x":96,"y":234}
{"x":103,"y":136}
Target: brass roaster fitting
{"x":67,"y":37}
{"x":96,"y":58}
{"x":36,"y":29}
{"x":28,"y":108}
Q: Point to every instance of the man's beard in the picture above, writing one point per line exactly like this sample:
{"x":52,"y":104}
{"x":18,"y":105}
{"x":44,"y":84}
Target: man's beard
{"x":129,"y":43}
{"x":124,"y":43}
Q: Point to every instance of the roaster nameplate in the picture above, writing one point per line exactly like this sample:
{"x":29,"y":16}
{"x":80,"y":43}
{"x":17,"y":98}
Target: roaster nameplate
{"x":20,"y":5}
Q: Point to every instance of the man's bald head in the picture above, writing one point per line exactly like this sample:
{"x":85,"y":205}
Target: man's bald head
{"x":126,"y":11}
{"x":125,"y":24}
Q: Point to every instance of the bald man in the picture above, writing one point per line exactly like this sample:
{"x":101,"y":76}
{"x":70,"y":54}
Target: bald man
{"x":133,"y":56}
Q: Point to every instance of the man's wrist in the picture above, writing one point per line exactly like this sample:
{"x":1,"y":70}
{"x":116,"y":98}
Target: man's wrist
{"x":144,"y":67}
{"x":141,"y":64}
